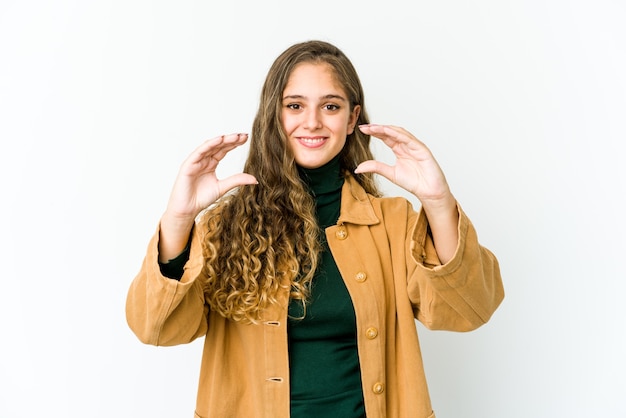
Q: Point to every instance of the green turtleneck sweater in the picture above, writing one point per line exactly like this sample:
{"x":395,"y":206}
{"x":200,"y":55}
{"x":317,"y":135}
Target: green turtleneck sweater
{"x":323,"y":355}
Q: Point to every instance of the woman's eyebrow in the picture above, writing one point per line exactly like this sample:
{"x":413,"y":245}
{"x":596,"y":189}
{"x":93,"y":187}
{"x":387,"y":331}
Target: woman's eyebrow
{"x":326,"y":97}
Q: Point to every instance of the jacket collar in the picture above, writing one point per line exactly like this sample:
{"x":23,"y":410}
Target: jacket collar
{"x":356,"y":206}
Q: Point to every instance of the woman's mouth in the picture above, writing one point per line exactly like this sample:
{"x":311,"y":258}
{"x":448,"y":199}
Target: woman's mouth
{"x":312,"y":142}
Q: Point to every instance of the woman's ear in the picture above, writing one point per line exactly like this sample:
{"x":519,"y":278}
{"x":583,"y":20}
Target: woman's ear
{"x":354,"y":117}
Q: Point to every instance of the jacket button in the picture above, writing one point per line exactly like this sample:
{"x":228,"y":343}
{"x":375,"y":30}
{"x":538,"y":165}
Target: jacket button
{"x":371,"y":333}
{"x":360,"y":277}
{"x":341,"y":233}
{"x":378,"y":388}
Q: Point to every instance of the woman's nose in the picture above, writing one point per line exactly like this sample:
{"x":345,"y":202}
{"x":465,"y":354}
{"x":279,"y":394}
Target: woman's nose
{"x":313,"y":119}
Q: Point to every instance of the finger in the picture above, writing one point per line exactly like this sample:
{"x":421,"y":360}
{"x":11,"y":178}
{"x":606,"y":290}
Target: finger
{"x":381,"y":131}
{"x":229,"y":141}
{"x":390,"y":134}
{"x":399,"y":140}
{"x":234,"y":140}
{"x":373,"y":166}
{"x":235,"y":180}
{"x":220,"y":152}
{"x":387,"y":135}
{"x":216,"y":148}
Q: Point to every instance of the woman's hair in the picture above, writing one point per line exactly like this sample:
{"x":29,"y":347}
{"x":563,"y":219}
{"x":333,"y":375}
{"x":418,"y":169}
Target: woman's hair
{"x":265,"y":237}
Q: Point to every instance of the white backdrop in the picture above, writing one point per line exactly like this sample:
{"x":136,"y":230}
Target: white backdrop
{"x":522,"y":102}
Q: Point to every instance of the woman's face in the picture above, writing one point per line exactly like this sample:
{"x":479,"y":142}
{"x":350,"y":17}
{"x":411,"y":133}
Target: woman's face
{"x":316,"y":114}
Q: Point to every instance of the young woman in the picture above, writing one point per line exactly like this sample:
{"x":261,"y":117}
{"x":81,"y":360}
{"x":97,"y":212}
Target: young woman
{"x":303,"y":280}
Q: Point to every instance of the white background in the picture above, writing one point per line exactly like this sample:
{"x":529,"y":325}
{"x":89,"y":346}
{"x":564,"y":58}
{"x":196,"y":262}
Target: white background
{"x":522,"y":102}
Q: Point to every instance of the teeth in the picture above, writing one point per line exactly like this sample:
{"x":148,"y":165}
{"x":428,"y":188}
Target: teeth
{"x":311,"y":140}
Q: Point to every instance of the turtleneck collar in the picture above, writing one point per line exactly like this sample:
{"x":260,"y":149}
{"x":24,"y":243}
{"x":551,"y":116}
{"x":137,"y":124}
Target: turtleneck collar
{"x":325,"y":179}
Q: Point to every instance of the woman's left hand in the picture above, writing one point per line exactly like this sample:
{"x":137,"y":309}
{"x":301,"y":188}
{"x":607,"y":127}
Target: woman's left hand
{"x":416,"y":170}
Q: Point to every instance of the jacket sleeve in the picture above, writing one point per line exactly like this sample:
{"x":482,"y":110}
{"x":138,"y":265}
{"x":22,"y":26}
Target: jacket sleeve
{"x":460,"y":295}
{"x":164,"y":311}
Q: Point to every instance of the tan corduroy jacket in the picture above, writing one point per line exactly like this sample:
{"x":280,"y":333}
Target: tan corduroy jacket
{"x":387,"y":260}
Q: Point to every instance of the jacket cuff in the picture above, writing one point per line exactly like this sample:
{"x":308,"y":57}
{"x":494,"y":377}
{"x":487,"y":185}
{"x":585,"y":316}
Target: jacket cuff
{"x":424,"y":247}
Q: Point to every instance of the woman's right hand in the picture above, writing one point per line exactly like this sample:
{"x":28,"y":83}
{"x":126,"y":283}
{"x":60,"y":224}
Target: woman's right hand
{"x":196,"y":187}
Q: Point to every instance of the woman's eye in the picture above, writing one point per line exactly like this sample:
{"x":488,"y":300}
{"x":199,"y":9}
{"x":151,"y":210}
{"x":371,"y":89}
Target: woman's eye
{"x":331,"y":107}
{"x":293,"y":106}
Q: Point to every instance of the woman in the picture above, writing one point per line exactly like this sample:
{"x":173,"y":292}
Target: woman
{"x":305,"y":282}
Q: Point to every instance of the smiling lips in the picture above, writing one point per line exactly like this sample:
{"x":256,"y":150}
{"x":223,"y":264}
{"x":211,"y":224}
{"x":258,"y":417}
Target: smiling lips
{"x":312,"y":141}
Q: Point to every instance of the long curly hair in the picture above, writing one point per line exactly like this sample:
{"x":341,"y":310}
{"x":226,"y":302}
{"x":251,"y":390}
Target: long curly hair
{"x":264,"y":238}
